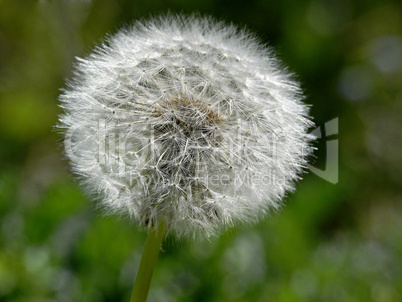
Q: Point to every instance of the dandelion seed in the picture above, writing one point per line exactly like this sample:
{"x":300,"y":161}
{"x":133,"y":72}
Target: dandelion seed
{"x":186,"y":121}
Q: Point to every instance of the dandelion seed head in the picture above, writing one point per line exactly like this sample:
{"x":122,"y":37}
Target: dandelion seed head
{"x":188,"y":121}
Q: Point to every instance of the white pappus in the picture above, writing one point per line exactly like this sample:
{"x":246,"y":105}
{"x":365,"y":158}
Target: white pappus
{"x":188,"y":121}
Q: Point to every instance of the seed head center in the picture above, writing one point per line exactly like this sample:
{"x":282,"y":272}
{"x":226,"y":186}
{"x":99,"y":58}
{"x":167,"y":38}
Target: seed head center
{"x":192,"y":119}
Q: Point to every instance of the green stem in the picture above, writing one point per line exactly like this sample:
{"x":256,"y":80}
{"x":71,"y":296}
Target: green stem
{"x":147,"y":264}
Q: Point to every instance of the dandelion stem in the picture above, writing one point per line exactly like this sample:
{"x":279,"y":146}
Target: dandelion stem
{"x":147,"y":263}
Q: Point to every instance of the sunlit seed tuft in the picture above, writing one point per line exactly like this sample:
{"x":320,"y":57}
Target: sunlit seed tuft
{"x":188,"y":121}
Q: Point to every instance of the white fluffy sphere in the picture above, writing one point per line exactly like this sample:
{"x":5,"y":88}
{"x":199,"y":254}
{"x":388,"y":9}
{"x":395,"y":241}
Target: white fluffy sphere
{"x":187,"y":121}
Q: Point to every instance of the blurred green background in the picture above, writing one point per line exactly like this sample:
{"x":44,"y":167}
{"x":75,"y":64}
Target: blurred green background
{"x":332,"y":242}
